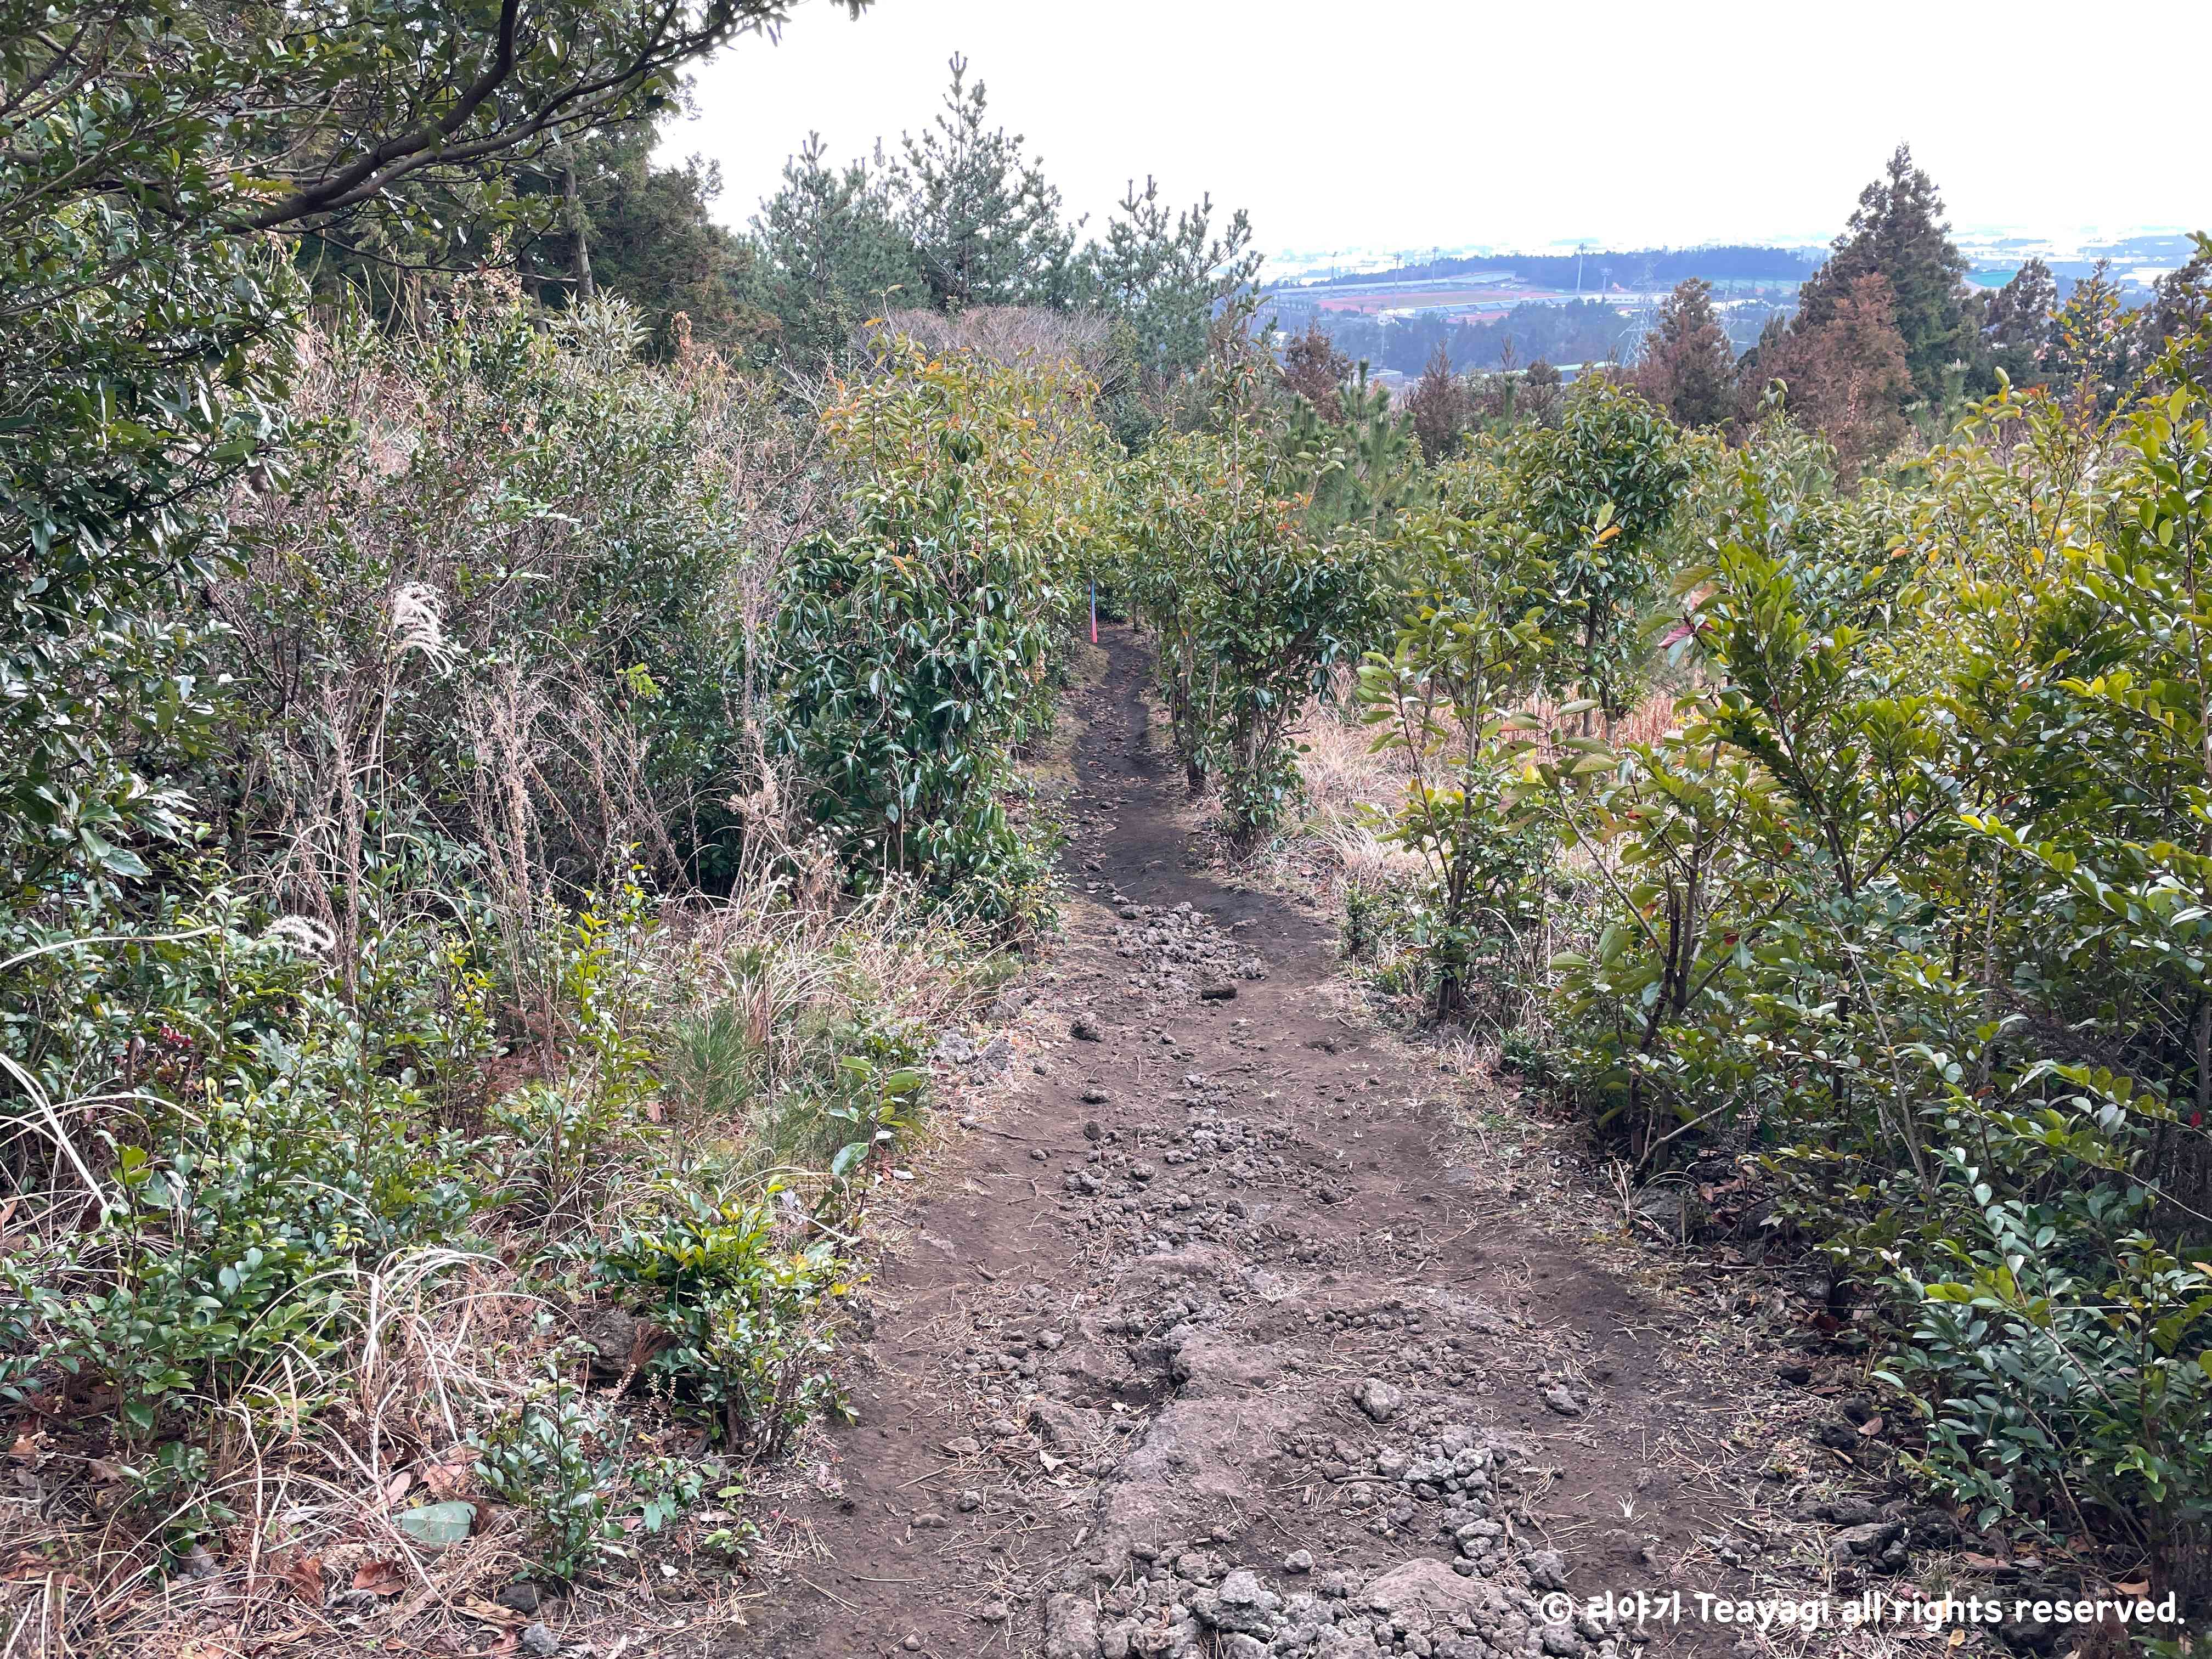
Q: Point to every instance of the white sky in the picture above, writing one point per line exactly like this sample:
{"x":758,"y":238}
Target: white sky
{"x":1424,"y":122}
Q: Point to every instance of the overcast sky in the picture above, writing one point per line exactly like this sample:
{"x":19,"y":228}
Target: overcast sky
{"x":1415,"y":123}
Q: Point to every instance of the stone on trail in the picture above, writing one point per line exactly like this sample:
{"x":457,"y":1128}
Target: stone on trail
{"x":1423,"y":1594}
{"x":1195,"y":1460}
{"x":1546,"y":1571}
{"x":1564,"y":1403}
{"x":1220,"y":1367}
{"x":953,"y":1049}
{"x":1242,"y":1604}
{"x":1379,"y":1400}
{"x":1868,"y":1540}
{"x":1066,"y":1428}
{"x":1071,"y":1627}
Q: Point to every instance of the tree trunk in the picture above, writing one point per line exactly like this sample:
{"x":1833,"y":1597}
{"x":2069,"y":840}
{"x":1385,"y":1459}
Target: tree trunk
{"x":581,"y":264}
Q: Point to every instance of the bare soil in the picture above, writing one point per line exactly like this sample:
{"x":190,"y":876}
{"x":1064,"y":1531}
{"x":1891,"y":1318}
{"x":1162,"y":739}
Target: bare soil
{"x":1124,"y":1352}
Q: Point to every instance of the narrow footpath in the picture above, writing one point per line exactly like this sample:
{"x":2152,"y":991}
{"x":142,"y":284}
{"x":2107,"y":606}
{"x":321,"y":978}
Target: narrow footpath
{"x":1202,"y":1343}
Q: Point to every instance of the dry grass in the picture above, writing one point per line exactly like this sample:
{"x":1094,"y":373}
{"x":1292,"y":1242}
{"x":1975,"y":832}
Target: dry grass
{"x":1352,"y":788}
{"x":290,"y":1544}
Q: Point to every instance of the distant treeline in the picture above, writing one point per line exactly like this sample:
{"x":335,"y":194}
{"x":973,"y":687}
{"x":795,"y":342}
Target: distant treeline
{"x":1586,"y":331}
{"x":1646,"y":268}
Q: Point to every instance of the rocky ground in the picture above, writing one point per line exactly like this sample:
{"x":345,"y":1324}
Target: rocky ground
{"x":1227,"y":1325}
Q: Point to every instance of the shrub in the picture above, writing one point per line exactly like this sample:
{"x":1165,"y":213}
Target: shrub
{"x":560,"y":1462}
{"x":917,"y":646}
{"x":743,"y":1314}
{"x":1251,"y":610}
{"x":1470,"y":641}
{"x":1914,"y":900}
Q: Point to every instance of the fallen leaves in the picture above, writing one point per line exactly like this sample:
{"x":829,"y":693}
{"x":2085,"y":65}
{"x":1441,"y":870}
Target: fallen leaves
{"x":300,"y":1570}
{"x":28,"y":1566}
{"x":451,"y":1478}
{"x":490,"y":1613}
{"x":380,"y":1577}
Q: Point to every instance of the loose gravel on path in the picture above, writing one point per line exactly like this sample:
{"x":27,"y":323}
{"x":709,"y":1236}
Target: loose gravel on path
{"x":1200,"y":1344}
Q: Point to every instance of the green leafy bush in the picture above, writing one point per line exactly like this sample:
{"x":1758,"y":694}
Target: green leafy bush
{"x":1912,"y":903}
{"x":1251,"y":608}
{"x":744,"y":1313}
{"x":917,"y":646}
{"x":560,"y":1463}
{"x":1469,"y":642}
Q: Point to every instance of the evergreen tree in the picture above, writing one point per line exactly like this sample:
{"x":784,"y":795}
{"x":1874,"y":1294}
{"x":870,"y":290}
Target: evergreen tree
{"x":646,"y":232}
{"x":984,"y":223}
{"x":2094,"y":338}
{"x":1846,"y":375}
{"x":1688,"y":368}
{"x":1439,"y":407}
{"x":1313,"y":369}
{"x":2180,"y":311}
{"x":1165,"y":277}
{"x":1753,"y":369}
{"x":1897,"y":232}
{"x":2017,"y":323}
{"x":832,"y":251}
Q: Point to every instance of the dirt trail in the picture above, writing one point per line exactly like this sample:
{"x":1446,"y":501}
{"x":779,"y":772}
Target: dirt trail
{"x":1204,"y":1344}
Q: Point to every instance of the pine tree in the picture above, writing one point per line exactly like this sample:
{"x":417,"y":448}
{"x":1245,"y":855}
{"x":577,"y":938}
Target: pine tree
{"x":2016,"y":323}
{"x":1164,"y":276}
{"x":833,"y":252}
{"x":1313,"y":369}
{"x":2180,"y":310}
{"x":984,"y":222}
{"x":1845,"y":375}
{"x":1439,"y":404}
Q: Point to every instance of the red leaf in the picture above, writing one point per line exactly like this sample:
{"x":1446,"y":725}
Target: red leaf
{"x":379,"y":1578}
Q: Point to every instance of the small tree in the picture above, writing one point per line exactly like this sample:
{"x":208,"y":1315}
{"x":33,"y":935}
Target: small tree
{"x":1846,"y":376}
{"x":1439,"y":407}
{"x":1313,"y":369}
{"x":833,"y":252}
{"x":916,"y":646}
{"x":1163,"y":275}
{"x":2016,"y":323}
{"x":1252,"y":607}
{"x":1471,"y":639}
{"x":984,"y":222}
{"x":1612,"y":459}
{"x":1688,"y":368}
